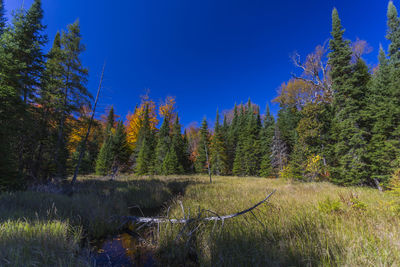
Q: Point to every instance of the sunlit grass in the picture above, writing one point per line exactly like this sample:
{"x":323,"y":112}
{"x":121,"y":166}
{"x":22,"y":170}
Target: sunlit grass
{"x":292,"y":229}
{"x":48,"y":229}
{"x":303,"y":224}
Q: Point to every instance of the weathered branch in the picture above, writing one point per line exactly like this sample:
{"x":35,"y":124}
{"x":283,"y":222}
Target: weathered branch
{"x":153,"y":220}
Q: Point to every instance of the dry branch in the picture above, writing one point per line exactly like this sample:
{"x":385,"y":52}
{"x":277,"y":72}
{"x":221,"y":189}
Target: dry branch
{"x":153,"y":220}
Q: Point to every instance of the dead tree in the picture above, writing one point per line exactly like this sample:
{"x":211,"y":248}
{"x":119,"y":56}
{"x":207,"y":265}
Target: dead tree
{"x":187,"y":219}
{"x":83,"y":146}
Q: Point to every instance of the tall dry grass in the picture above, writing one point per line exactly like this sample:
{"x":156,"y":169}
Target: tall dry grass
{"x":304,"y":224}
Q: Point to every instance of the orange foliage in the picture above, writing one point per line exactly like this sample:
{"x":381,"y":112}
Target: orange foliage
{"x":167,"y":108}
{"x":134,"y":121}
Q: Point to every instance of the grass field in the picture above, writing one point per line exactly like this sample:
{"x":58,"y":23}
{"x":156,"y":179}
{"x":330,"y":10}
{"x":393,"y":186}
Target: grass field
{"x":303,"y":224}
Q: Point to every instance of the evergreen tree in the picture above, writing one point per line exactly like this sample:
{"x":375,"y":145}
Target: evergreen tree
{"x":266,"y":136}
{"x":187,"y":164}
{"x":232,"y":136}
{"x":163,"y":145}
{"x":218,"y":154}
{"x":174,"y":160}
{"x":3,"y":19}
{"x":121,"y":150}
{"x":393,"y":35}
{"x":251,"y":142}
{"x":21,"y":68}
{"x":105,"y":158}
{"x":73,"y":94}
{"x":239,"y":168}
{"x":288,"y":119}
{"x":381,"y":152}
{"x":349,"y":130}
{"x":203,"y":149}
{"x":145,"y":147}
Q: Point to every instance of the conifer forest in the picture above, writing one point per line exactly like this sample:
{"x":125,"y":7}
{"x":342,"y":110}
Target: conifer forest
{"x":87,"y":186}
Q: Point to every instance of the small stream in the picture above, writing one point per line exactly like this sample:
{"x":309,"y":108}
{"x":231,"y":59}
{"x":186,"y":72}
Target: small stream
{"x":124,"y":250}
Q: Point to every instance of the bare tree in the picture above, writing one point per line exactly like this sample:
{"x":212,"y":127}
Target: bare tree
{"x":83,"y":146}
{"x":279,"y":154}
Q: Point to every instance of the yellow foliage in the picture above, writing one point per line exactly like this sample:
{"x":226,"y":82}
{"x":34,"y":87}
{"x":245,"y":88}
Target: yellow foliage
{"x":134,"y":121}
{"x":315,"y":167}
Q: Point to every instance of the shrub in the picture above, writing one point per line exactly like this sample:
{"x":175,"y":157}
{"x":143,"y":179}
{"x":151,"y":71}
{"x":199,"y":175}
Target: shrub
{"x":329,"y":206}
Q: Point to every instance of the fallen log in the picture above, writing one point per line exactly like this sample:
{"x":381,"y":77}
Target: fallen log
{"x":154,"y":220}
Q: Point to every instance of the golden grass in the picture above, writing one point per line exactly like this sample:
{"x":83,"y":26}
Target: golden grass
{"x":304,"y":224}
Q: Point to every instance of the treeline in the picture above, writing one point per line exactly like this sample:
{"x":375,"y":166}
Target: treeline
{"x":339,"y":119}
{"x":39,"y":95}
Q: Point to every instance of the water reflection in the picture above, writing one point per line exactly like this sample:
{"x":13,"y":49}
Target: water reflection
{"x":123,"y":250}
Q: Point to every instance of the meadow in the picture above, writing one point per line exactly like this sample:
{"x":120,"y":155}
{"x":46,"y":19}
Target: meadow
{"x":302,"y":224}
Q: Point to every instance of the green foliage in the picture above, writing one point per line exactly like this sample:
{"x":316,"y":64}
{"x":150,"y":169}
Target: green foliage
{"x":146,"y":143}
{"x":218,"y":151}
{"x":330,"y":206}
{"x":203,"y":148}
{"x":266,"y":138}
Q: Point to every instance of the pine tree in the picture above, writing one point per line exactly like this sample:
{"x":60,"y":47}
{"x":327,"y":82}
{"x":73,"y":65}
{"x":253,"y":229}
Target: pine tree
{"x":203,"y":149}
{"x":3,"y":19}
{"x":381,"y":152}
{"x":146,"y":143}
{"x":251,"y":142}
{"x":187,"y":164}
{"x":174,"y":161}
{"x":232,"y":136}
{"x":73,"y":94}
{"x":393,"y":35}
{"x":349,"y":130}
{"x":239,"y":168}
{"x":163,"y":145}
{"x":266,"y":136}
{"x":105,"y":158}
{"x":121,"y":150}
{"x":218,"y":154}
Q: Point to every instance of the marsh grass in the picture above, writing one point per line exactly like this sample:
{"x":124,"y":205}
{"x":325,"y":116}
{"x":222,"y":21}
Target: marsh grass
{"x":48,"y":229}
{"x":304,"y":224}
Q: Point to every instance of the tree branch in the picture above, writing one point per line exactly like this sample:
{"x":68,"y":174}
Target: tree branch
{"x":153,"y":220}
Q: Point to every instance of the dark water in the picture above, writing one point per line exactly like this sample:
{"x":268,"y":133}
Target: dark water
{"x":123,"y":250}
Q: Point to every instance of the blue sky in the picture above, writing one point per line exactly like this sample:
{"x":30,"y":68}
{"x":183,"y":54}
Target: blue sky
{"x":209,"y":54}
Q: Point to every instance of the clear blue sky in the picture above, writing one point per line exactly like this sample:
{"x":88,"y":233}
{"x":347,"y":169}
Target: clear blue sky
{"x":208,"y":53}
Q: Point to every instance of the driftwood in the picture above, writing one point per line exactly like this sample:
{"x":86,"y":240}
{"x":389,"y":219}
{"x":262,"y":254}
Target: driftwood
{"x":154,"y":220}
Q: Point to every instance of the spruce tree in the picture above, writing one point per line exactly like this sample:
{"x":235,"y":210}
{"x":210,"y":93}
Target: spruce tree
{"x":73,"y":94}
{"x":174,"y":160}
{"x":121,"y":150}
{"x":266,"y":136}
{"x":203,"y":149}
{"x":145,"y":147}
{"x":218,"y":154}
{"x":393,"y":36}
{"x":251,"y":142}
{"x":105,"y":158}
{"x":239,"y":168}
{"x":232,"y":136}
{"x":349,"y":130}
{"x":163,"y":145}
{"x":3,"y":19}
